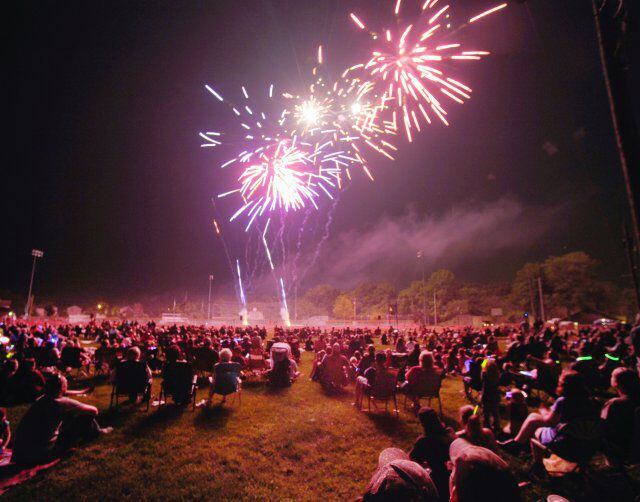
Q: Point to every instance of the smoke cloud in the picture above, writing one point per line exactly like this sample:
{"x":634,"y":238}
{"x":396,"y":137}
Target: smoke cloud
{"x":388,"y":249}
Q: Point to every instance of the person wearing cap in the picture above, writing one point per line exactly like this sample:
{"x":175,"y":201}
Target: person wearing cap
{"x":432,"y":449}
{"x":399,"y":478}
{"x":480,"y":475}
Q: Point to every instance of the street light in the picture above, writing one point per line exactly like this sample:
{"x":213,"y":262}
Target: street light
{"x":36,"y":253}
{"x":209,"y":304}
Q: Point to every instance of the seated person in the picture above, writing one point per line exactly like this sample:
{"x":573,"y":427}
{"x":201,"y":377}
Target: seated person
{"x":7,"y":373}
{"x":226,"y":377}
{"x":72,"y":356}
{"x":132,"y":376}
{"x":205,"y":357}
{"x":432,"y":449}
{"x":177,"y":376}
{"x":517,"y":410}
{"x":618,"y":416}
{"x":48,"y":355}
{"x":587,"y":367}
{"x":27,"y":383}
{"x":573,"y":404}
{"x":479,"y":475}
{"x":548,"y":371}
{"x":104,"y":358}
{"x":53,"y":424}
{"x":284,"y":372}
{"x":316,"y":369}
{"x":473,"y":430}
{"x":365,"y":383}
{"x":334,"y":369}
{"x":422,"y":377}
{"x":5,"y":430}
{"x":368,"y":359}
{"x":472,"y":375}
{"x":399,"y":478}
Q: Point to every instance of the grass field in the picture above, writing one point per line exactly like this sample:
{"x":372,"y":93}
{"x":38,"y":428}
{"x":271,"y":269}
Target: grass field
{"x":294,"y":444}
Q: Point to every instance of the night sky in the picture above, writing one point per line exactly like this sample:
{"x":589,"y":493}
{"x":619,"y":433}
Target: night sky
{"x":105,"y":172}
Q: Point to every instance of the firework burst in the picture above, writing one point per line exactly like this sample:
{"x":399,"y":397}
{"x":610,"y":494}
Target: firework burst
{"x":410,"y":69}
{"x":278,"y":169}
{"x":341,"y":114}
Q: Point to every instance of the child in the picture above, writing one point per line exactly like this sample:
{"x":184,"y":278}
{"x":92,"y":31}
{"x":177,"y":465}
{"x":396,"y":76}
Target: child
{"x":5,"y":430}
{"x":491,"y":394}
{"x":518,"y":411}
{"x":473,"y":430}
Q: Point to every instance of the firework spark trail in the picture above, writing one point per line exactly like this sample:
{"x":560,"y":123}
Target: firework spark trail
{"x":266,"y":246}
{"x":280,"y":237}
{"x":224,"y":246}
{"x":296,"y":258}
{"x":408,"y":73}
{"x":285,"y":314}
{"x":244,"y":312}
{"x":327,"y":228}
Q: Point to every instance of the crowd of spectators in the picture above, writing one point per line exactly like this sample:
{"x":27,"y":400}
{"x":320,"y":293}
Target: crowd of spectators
{"x":584,"y":384}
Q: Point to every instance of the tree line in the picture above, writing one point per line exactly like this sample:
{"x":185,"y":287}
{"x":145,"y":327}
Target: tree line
{"x":567,"y":284}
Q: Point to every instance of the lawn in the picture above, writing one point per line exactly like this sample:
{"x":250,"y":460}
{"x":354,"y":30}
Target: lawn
{"x":294,"y":444}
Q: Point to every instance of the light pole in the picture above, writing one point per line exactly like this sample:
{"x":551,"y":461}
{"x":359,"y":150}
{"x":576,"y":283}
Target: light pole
{"x":209,"y":303}
{"x":541,"y":301}
{"x":36,"y":253}
{"x":435,"y":308}
{"x":355,"y":311}
{"x":424,"y":291}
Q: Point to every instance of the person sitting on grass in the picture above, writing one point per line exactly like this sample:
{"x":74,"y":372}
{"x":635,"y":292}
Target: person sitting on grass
{"x":479,"y":475}
{"x":517,"y":411}
{"x":399,"y":478}
{"x":53,"y":424}
{"x":316,"y":369}
{"x":573,"y":404}
{"x":419,"y":377}
{"x":27,"y":383}
{"x":365,"y":383}
{"x":432,"y":449}
{"x":618,"y":416}
{"x":5,"y":430}
{"x":226,"y":377}
{"x":473,"y":430}
{"x":334,"y":369}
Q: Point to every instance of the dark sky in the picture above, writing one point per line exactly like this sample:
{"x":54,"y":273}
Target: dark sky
{"x":105,"y":172}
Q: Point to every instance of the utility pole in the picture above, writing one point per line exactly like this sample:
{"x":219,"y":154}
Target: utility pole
{"x":435,"y":309}
{"x":209,"y":303}
{"x":533,"y":308}
{"x":628,"y":243}
{"x":542,"y":318}
{"x":424,"y":292}
{"x":355,"y":303}
{"x":36,"y":253}
{"x":618,"y":102}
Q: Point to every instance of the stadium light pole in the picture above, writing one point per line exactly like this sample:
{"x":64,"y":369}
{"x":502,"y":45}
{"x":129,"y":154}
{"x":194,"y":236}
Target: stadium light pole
{"x":36,"y":253}
{"x":424,"y":291}
{"x":209,"y":302}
